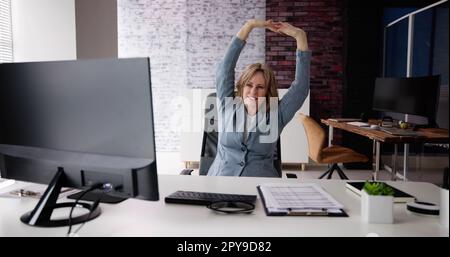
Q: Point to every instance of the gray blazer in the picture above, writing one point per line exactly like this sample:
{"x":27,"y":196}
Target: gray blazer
{"x":251,"y":157}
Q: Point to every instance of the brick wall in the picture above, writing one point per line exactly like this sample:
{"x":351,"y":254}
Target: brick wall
{"x":323,"y":20}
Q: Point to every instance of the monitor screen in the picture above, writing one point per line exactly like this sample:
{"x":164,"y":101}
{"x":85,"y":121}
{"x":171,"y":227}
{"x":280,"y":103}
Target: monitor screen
{"x":415,"y":95}
{"x":93,"y":118}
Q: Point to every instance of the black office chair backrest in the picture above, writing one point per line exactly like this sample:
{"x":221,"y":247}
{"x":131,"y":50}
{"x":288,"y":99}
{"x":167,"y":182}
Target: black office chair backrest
{"x":210,"y":138}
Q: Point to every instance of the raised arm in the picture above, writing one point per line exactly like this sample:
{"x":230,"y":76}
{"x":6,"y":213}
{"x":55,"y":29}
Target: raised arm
{"x":225,"y":71}
{"x":297,"y":93}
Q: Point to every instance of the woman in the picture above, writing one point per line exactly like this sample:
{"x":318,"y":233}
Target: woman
{"x":243,"y":152}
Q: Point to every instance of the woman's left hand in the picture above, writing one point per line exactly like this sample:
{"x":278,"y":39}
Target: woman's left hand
{"x":297,"y":33}
{"x":290,"y":30}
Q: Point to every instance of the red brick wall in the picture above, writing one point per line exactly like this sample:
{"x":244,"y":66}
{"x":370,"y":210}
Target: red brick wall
{"x":323,"y":21}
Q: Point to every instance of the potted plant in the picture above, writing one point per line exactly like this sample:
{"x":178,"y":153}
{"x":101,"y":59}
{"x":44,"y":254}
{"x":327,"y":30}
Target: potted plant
{"x":377,"y":203}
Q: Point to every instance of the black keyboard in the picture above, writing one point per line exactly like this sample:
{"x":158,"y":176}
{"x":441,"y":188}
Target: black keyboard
{"x":204,"y":198}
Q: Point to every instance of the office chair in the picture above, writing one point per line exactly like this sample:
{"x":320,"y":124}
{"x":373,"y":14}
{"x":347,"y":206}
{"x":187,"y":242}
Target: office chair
{"x":331,"y":155}
{"x":210,"y":136}
{"x":210,"y":139}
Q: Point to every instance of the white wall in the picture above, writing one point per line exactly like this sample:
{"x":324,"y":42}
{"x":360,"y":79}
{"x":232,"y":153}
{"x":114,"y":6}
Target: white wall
{"x":43,"y":30}
{"x":294,"y":144}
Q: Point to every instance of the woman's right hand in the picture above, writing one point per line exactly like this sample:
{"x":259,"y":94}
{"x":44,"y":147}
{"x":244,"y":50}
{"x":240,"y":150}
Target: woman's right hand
{"x":255,"y":23}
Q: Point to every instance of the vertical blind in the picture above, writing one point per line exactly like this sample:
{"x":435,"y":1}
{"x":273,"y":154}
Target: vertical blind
{"x":6,"y":50}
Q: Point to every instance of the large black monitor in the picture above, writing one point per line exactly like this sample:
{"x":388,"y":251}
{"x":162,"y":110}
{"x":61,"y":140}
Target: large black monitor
{"x":78,"y":124}
{"x":414,"y":95}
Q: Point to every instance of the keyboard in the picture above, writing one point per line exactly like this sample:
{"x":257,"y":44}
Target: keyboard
{"x":204,"y":198}
{"x":399,"y":132}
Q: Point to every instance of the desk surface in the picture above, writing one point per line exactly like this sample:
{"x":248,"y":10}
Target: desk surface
{"x":426,"y":135}
{"x":144,"y":218}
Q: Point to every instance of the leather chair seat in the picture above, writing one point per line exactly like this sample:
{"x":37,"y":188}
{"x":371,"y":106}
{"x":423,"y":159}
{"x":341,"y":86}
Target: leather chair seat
{"x":340,"y":154}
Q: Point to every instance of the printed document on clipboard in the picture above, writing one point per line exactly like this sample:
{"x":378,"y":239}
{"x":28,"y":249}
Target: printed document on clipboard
{"x":299,"y":199}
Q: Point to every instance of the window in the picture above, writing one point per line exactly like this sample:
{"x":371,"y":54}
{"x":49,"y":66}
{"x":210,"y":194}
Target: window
{"x":417,"y":45}
{"x":6,"y":51}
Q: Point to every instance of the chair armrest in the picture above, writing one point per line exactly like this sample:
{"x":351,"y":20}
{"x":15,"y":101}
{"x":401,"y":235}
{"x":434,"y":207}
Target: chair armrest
{"x":186,"y":172}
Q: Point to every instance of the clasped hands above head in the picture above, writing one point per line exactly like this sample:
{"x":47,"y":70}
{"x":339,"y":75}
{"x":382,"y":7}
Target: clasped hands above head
{"x":283,"y":28}
{"x":277,"y":26}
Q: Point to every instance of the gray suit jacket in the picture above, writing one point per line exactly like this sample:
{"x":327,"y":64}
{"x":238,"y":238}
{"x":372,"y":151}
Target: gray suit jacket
{"x":252,"y":157}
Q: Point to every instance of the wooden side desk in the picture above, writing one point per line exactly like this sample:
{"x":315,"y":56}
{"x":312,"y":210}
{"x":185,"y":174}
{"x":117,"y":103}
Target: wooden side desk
{"x":425,"y":135}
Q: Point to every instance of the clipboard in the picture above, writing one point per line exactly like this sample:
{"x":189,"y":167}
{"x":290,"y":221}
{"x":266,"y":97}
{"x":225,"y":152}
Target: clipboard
{"x":300,"y":212}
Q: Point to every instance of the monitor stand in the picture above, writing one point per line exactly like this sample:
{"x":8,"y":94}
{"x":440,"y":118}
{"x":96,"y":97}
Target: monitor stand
{"x":97,"y":194}
{"x":41,"y":215}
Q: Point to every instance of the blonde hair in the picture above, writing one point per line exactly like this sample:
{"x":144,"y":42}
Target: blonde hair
{"x":250,"y":71}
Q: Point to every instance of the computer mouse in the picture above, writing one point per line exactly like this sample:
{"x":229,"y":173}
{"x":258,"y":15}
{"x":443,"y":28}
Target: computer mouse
{"x":375,"y":127}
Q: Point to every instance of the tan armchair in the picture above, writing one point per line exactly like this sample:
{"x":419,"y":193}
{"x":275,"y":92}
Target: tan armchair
{"x":330,"y":155}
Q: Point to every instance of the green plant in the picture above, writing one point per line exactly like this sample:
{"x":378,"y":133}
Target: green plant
{"x":378,"y":188}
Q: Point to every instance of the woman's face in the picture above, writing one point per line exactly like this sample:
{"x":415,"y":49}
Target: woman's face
{"x":255,"y":88}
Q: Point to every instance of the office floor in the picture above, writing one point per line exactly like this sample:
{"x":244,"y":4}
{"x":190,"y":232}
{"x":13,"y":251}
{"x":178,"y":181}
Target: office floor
{"x":430,"y":175}
{"x":434,"y":176}
{"x":422,"y":169}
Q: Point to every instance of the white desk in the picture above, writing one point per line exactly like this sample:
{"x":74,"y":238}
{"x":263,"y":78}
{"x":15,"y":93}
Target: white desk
{"x":144,"y":218}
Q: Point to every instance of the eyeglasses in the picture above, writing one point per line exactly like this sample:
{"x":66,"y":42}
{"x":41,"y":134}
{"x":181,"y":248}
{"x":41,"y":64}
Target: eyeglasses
{"x":231,"y":207}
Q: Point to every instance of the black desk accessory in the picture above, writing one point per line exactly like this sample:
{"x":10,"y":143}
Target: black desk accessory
{"x":423,"y":208}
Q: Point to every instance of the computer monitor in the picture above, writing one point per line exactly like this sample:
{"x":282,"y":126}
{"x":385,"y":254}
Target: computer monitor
{"x":77,"y":124}
{"x":414,"y":95}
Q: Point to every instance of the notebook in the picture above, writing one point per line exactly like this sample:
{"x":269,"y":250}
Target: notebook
{"x":399,"y":196}
{"x":344,"y":119}
{"x":358,"y":124}
{"x":298,"y":199}
{"x":400,"y":132}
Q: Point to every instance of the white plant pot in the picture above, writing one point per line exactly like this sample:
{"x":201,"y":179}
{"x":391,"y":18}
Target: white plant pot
{"x":443,"y":212}
{"x":377,"y":208}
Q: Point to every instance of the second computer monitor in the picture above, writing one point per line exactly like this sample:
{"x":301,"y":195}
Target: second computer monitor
{"x":415,"y":95}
